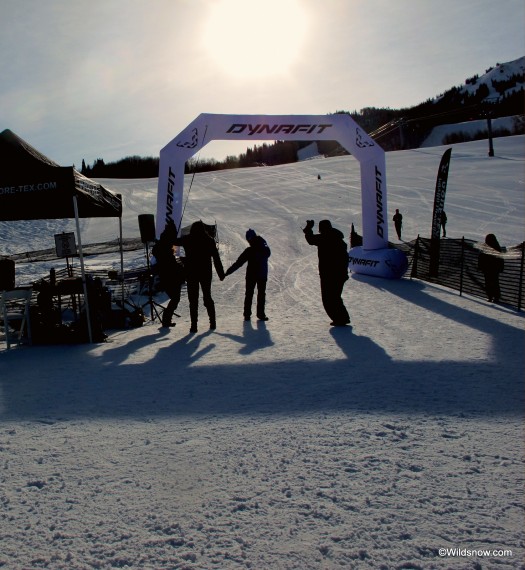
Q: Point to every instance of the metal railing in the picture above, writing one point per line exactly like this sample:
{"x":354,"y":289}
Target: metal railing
{"x":457,"y":267}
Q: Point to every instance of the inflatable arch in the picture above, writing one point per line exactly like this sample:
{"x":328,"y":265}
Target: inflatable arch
{"x":374,"y":257}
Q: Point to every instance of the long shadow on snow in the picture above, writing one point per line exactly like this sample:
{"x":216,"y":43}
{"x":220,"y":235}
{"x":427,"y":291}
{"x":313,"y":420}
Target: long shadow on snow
{"x":73,"y":382}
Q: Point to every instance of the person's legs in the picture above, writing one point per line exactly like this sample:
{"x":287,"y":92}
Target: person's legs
{"x":192,"y":286}
{"x":173,"y":292}
{"x":341,"y":316}
{"x":492,"y":286}
{"x":208,"y":301}
{"x":331,"y":294}
{"x":327,"y":296}
{"x":261,"y":299}
{"x":248,"y":297}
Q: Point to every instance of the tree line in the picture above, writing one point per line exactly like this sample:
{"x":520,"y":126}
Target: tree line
{"x":394,"y":129}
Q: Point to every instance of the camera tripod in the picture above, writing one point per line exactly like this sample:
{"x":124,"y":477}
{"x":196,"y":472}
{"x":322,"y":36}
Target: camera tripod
{"x":156,"y":309}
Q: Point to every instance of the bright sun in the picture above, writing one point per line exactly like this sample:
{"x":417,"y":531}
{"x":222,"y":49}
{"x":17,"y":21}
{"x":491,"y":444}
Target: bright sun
{"x":250,"y":39}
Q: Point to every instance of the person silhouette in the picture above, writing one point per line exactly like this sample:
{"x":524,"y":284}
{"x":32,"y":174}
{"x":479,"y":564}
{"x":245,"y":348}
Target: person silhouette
{"x":443,"y":222}
{"x":256,"y":255}
{"x":333,"y":268}
{"x":200,"y":250}
{"x":398,"y":223}
{"x":491,"y":265}
{"x":169,"y":270}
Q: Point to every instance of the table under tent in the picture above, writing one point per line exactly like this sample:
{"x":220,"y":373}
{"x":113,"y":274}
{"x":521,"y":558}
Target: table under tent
{"x":34,"y":187}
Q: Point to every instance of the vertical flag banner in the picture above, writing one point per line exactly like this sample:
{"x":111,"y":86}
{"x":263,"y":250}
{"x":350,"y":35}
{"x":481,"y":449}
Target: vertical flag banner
{"x":439,"y":196}
{"x":439,"y":204}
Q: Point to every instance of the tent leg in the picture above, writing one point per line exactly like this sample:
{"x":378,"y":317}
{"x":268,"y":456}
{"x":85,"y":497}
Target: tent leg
{"x":121,"y":261}
{"x":82,"y":270}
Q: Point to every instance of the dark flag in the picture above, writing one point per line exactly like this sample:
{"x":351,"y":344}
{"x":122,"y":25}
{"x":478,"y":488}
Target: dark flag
{"x":439,"y":204}
{"x":439,"y":196}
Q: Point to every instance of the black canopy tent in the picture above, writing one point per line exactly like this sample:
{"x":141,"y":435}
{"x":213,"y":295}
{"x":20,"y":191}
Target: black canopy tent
{"x":34,"y":187}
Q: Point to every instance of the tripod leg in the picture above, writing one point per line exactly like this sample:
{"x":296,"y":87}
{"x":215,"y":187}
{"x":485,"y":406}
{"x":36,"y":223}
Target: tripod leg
{"x":154,"y":313}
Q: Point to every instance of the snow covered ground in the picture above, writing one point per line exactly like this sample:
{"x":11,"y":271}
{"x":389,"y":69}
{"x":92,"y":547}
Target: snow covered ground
{"x":286,"y":444}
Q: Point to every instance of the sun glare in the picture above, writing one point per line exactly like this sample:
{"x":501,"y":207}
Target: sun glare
{"x":250,"y":39}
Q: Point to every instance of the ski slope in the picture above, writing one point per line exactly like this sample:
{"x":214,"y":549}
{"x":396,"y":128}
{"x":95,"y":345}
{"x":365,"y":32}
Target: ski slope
{"x":287,"y":444}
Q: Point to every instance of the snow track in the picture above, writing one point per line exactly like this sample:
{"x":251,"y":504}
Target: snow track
{"x":285,"y":444}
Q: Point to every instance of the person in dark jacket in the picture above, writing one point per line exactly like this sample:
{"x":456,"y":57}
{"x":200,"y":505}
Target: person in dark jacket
{"x":256,"y":255}
{"x":398,"y":223}
{"x":443,"y":222}
{"x":200,"y":250}
{"x":491,"y":265}
{"x":169,"y":270}
{"x":333,"y":268}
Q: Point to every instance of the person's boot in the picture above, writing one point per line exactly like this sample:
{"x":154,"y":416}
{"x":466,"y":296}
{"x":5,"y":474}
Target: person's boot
{"x":166,"y":317}
{"x":193,"y":328}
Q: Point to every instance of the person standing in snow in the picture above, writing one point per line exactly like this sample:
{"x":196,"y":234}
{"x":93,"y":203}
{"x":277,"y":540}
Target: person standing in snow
{"x":256,"y":255}
{"x":443,"y":222}
{"x":491,"y":265}
{"x":200,"y":250}
{"x":170,"y":271}
{"x":398,"y":223}
{"x":333,"y":268}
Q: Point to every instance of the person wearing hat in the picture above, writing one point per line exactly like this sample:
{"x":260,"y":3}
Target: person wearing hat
{"x":256,"y":255}
{"x":333,"y":268}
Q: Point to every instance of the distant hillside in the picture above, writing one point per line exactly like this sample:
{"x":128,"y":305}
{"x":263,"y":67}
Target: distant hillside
{"x":502,"y":81}
{"x":499,"y":92}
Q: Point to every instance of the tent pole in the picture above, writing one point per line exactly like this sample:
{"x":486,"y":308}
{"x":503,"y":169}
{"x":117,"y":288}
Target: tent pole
{"x":82,"y":270}
{"x":121,"y":260}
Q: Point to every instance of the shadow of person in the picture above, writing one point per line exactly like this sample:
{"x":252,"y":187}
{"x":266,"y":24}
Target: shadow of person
{"x":252,"y":338}
{"x":192,"y":341}
{"x":186,"y":347}
{"x":358,"y":349}
{"x":121,"y":351}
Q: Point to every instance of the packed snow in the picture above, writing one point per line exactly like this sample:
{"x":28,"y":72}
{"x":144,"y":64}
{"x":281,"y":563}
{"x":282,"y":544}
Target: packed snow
{"x":396,"y":443}
{"x":495,"y":79}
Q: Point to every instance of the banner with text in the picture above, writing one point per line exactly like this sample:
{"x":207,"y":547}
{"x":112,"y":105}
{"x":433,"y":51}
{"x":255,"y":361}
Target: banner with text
{"x":339,"y":127}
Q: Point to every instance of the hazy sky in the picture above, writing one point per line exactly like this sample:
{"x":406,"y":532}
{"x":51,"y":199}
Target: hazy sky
{"x":114,"y":78}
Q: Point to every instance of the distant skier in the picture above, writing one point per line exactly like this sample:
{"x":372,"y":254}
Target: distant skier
{"x":443,"y":222}
{"x":333,"y":268}
{"x":256,"y":255}
{"x":398,"y":223}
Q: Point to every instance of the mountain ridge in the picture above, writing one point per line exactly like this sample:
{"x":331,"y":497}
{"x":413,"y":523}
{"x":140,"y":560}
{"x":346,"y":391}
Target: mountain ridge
{"x":499,"y":92}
